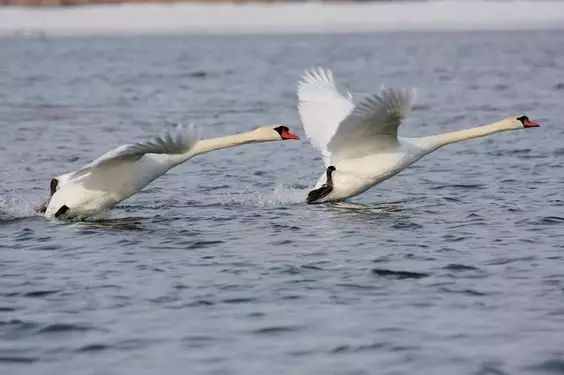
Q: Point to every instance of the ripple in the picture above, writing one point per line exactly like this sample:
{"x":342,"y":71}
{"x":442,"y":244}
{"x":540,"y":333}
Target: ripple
{"x":352,"y":349}
{"x":399,"y":274}
{"x":545,"y":220}
{"x":200,"y":302}
{"x":460,"y":267}
{"x":276,"y":330}
{"x":64,"y":327}
{"x":357,"y":286}
{"x":552,"y":366}
{"x":17,"y":359}
{"x":468,"y":292}
{"x":17,"y":327}
{"x":204,"y":244}
{"x":197,"y":74}
{"x":196,"y":341}
{"x":548,"y":220}
{"x":451,"y":238}
{"x":406,"y":225}
{"x":368,"y":347}
{"x":502,"y":261}
{"x":40,"y":293}
{"x":213,"y":188}
{"x":240,"y":300}
{"x":93,"y":348}
{"x":134,"y":343}
{"x":458,"y":186}
{"x":491,"y":369}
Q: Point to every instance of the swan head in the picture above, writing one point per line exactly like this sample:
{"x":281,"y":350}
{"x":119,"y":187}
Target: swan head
{"x":275,"y":132}
{"x":526,"y":123}
{"x":518,"y":122}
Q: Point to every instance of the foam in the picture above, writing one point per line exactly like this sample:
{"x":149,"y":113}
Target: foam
{"x":16,"y":206}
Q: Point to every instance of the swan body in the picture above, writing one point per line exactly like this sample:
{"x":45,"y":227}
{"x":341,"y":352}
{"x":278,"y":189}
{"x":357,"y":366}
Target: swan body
{"x":360,"y":142}
{"x":124,"y":171}
{"x":354,"y":176}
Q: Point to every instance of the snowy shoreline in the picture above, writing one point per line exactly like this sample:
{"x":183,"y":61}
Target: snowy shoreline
{"x":281,"y":18}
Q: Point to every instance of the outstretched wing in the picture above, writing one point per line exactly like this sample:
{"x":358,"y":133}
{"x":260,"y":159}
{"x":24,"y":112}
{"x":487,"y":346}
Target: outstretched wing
{"x":178,"y":141}
{"x":322,"y":107}
{"x":372,"y":125}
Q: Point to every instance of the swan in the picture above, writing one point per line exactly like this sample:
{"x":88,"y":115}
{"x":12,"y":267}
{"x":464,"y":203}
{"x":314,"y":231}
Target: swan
{"x":124,"y":171}
{"x":359,"y":143}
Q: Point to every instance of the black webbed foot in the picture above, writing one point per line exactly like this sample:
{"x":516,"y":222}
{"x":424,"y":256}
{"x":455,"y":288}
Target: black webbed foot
{"x":324,"y":190}
{"x":61,"y":211}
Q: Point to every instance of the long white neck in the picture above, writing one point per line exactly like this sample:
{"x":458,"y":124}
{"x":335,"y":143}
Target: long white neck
{"x":206,"y":145}
{"x":436,"y":141}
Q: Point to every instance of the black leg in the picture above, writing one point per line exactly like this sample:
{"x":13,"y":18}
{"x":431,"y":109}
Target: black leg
{"x":54,"y":184}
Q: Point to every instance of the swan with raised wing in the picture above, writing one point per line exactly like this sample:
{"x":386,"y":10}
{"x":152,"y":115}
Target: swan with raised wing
{"x":360,"y":143}
{"x":124,"y":171}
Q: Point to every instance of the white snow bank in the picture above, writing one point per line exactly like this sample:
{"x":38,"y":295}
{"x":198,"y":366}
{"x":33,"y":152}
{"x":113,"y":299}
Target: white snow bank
{"x":283,"y":17}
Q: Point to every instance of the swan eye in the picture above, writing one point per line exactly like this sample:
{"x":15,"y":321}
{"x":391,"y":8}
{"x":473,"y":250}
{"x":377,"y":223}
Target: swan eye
{"x":282,"y":129}
{"x":523,"y":119}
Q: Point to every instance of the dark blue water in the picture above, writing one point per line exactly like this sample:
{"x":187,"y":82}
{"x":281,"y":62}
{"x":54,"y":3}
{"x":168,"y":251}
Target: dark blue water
{"x":455,"y":266}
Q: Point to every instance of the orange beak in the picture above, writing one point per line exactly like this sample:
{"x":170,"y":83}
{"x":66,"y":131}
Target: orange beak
{"x":530,"y":124}
{"x":288,"y":135}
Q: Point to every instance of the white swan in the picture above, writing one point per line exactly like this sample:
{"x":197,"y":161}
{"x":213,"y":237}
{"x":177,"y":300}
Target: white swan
{"x":360,"y":143}
{"x":124,"y":171}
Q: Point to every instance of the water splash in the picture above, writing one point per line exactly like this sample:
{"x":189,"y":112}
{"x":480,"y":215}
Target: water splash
{"x":14,"y":207}
{"x":283,"y":195}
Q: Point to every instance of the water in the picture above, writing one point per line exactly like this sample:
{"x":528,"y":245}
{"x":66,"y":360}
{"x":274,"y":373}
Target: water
{"x":455,"y":266}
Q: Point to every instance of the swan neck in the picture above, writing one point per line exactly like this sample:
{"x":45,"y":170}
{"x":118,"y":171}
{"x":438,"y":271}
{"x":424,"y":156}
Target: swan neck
{"x":206,"y":145}
{"x":441,"y":140}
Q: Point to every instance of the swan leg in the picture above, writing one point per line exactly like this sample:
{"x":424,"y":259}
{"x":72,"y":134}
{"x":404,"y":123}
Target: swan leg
{"x":324,"y":190}
{"x":53,"y":186}
{"x":61,"y":211}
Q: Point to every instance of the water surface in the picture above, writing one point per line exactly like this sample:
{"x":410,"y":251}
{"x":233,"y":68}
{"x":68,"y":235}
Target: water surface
{"x":454,"y":266}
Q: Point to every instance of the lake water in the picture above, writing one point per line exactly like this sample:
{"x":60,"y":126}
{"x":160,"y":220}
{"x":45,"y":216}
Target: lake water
{"x":455,"y":266}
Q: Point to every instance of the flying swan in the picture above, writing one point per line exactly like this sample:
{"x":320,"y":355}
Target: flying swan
{"x":124,"y":171}
{"x":360,"y":144}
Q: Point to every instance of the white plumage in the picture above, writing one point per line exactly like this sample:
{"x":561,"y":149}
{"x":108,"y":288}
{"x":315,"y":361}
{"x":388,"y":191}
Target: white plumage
{"x":361,"y":141}
{"x":122,"y":172}
{"x":178,"y":141}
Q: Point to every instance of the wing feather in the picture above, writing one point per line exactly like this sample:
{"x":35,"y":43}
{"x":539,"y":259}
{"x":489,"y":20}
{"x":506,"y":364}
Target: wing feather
{"x":321,"y":106}
{"x":178,"y":141}
{"x":372,"y":125}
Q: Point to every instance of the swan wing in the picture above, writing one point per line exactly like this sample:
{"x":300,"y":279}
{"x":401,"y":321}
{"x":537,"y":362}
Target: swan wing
{"x":322,"y":107}
{"x":178,"y":141}
{"x":372,"y":125}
